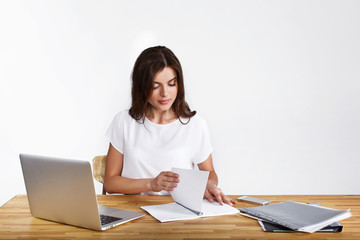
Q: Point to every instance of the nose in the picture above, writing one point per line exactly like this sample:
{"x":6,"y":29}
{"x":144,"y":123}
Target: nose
{"x":164,"y":92}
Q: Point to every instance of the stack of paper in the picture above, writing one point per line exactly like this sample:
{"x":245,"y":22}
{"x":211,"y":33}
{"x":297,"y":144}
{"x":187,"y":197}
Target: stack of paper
{"x":297,"y":216}
{"x":189,"y":202}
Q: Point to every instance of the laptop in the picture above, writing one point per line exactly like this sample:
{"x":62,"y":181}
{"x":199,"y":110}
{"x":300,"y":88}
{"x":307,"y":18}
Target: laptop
{"x":62,"y":190}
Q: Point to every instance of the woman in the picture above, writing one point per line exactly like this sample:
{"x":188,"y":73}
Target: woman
{"x":158,"y":132}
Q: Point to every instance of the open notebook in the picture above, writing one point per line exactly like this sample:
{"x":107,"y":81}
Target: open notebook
{"x":189,"y":202}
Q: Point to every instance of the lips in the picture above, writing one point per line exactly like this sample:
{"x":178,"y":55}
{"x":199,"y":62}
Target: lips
{"x":164,"y":102}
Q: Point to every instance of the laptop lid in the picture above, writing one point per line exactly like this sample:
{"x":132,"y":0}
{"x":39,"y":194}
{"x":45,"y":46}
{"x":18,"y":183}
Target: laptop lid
{"x":62,"y":190}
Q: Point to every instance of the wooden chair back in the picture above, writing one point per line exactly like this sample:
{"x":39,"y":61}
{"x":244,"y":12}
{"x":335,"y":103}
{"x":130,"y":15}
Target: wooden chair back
{"x":99,"y":163}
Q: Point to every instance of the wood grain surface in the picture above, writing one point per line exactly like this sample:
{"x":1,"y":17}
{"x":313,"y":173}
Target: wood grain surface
{"x":16,"y":221}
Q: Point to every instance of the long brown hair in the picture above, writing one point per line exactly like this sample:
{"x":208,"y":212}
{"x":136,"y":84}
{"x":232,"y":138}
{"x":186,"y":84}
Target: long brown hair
{"x":151,"y":61}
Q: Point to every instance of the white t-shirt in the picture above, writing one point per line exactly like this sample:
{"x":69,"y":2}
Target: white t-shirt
{"x":151,"y":148}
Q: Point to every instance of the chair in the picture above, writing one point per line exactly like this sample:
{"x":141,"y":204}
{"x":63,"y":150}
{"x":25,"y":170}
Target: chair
{"x":99,"y":163}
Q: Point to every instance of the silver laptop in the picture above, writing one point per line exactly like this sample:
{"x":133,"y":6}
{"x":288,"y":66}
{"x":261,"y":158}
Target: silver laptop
{"x":62,"y":190}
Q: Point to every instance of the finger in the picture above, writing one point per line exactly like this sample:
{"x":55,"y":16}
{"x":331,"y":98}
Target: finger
{"x":209,"y":196}
{"x":218,"y":196}
{"x":171,"y":179}
{"x":171,"y":174}
{"x":169,"y":189}
{"x":227,"y":200}
{"x":168,"y":185}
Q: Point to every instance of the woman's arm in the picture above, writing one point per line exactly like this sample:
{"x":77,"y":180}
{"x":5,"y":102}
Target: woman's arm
{"x":115,"y":183}
{"x":212,"y":191}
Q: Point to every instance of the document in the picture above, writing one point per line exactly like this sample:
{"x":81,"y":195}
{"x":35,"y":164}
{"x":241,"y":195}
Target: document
{"x":297,"y":216}
{"x":189,"y":202}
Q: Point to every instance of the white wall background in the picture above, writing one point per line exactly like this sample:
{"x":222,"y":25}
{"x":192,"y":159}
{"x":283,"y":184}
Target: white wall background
{"x":277,"y":81}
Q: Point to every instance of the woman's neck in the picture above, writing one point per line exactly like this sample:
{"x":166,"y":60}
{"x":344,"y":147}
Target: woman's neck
{"x":161,"y":117}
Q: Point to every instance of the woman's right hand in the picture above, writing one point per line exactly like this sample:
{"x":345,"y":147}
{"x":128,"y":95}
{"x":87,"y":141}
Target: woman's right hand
{"x":165,"y":181}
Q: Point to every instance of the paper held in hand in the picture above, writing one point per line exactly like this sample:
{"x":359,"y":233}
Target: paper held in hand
{"x":189,"y":202}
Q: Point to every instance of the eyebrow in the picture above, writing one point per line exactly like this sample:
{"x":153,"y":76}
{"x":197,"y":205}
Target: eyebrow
{"x":168,"y":81}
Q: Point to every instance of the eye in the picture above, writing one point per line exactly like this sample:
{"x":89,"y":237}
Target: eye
{"x":172,"y":83}
{"x":156,"y":86}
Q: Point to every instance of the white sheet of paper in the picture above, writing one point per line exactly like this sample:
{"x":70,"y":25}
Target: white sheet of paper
{"x":191,"y":188}
{"x":169,"y":212}
{"x":215,"y":209}
{"x":173,"y":211}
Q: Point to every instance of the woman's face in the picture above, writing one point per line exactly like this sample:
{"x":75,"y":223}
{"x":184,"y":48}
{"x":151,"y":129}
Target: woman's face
{"x":164,"y":90}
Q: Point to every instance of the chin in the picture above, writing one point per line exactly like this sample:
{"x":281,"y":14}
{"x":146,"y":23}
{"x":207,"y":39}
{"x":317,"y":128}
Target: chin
{"x":164,"y":108}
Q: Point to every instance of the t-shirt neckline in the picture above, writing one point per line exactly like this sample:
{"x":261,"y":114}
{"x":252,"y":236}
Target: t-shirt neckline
{"x":162,"y":125}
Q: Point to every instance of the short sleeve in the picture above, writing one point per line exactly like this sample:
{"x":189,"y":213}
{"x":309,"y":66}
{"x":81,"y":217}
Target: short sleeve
{"x":204,"y":147}
{"x":115,"y":133}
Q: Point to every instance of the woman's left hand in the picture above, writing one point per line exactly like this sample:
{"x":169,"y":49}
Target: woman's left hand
{"x":213,"y":193}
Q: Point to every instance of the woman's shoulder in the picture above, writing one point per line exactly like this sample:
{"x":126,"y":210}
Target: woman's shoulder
{"x":123,"y":115}
{"x":197,"y":120}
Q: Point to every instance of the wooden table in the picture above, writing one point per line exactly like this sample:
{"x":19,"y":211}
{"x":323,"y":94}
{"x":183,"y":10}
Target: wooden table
{"x":16,"y":221}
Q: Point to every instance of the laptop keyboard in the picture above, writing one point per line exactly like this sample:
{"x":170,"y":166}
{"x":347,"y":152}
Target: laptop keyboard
{"x":108,"y":219}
